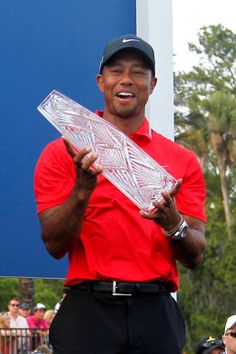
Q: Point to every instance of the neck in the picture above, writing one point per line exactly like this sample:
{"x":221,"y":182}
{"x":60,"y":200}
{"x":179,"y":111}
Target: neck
{"x":14,"y":315}
{"x":227,"y":351}
{"x":127,"y":125}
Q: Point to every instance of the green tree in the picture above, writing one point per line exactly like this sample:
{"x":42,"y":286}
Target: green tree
{"x":220,"y":110}
{"x":26,"y":290}
{"x":8,"y":289}
{"x":47,"y":291}
{"x":206,"y":108}
{"x":205,"y":100}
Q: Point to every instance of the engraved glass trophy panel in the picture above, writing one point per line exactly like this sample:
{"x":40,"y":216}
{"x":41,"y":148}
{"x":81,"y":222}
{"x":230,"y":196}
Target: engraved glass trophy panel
{"x":125,"y":164}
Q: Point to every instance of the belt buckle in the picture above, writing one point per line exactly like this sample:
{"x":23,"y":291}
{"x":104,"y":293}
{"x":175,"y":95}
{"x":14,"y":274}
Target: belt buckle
{"x":114,"y":290}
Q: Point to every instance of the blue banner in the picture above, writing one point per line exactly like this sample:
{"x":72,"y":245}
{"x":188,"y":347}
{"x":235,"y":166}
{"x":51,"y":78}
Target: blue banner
{"x":45,"y":45}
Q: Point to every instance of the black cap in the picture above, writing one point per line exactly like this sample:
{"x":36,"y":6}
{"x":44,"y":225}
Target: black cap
{"x":129,"y":41}
{"x":24,"y":306}
{"x":207,"y":344}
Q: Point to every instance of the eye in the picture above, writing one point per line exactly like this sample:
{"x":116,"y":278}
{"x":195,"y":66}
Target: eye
{"x":139,"y":72}
{"x":116,"y":70}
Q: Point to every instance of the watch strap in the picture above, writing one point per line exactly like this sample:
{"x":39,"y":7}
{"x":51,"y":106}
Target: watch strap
{"x":179,"y":232}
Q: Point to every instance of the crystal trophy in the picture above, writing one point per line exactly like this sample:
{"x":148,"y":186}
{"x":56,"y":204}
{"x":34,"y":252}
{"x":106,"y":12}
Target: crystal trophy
{"x":124,"y":163}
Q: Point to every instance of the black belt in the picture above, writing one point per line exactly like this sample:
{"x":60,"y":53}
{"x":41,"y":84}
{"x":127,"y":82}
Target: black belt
{"x":117,"y":288}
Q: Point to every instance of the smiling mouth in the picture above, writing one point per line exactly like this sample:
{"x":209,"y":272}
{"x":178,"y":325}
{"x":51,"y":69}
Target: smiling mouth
{"x":125,"y":95}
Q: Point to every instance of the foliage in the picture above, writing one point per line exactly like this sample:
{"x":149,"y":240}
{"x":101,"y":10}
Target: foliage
{"x":205,"y":117}
{"x":206,"y":123}
{"x":8,"y":289}
{"x":47,"y":291}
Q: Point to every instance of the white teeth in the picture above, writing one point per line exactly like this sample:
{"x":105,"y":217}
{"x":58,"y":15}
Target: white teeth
{"x":126,"y":94}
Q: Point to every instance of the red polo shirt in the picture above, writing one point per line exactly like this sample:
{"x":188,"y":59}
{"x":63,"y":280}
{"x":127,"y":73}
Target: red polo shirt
{"x":116,"y":243}
{"x":34,"y":323}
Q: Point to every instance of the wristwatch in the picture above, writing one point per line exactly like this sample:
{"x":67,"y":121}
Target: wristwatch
{"x":179,"y":232}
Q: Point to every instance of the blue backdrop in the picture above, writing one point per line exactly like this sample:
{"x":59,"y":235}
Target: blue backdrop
{"x":44,"y":45}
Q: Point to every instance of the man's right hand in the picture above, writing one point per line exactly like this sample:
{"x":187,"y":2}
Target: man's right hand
{"x":86,"y":172}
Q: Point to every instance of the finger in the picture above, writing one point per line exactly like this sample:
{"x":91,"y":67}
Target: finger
{"x":166,"y":201}
{"x":81,"y":154}
{"x":88,"y":161}
{"x":161,"y":208}
{"x":144,"y":214}
{"x":176,"y":188}
{"x":150,"y":216}
{"x":69,"y":148}
{"x":96,"y":170}
{"x":167,"y":197}
{"x":87,"y":164}
{"x":76,"y":155}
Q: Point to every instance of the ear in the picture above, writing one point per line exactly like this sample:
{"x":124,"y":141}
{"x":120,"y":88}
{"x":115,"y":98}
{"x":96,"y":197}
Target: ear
{"x":100,"y":82}
{"x":153,"y":84}
{"x":224,"y":339}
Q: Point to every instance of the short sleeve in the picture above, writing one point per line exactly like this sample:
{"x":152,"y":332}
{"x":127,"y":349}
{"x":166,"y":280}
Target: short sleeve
{"x":191,"y":198}
{"x":54,"y":176}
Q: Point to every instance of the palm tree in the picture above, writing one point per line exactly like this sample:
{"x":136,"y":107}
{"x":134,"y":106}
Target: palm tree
{"x":221,"y":125}
{"x":26,"y":290}
{"x":206,"y":116}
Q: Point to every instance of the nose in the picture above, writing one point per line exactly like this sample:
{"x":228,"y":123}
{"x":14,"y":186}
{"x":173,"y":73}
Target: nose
{"x":126,"y":79}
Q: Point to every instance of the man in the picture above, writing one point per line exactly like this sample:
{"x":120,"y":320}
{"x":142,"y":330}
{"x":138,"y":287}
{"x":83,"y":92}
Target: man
{"x":19,"y":325}
{"x":122,"y":261}
{"x":37,"y":321}
{"x":38,"y":325}
{"x":210,"y":345}
{"x":229,"y":337}
{"x":16,"y":320}
{"x":24,"y":310}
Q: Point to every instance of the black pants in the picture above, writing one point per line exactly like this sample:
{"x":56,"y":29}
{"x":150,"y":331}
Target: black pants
{"x":90,"y":322}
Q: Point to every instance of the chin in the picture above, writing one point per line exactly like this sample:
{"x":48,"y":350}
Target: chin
{"x":128,"y":113}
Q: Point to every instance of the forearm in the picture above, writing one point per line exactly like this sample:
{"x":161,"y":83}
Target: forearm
{"x":61,"y":225}
{"x":189,"y":251}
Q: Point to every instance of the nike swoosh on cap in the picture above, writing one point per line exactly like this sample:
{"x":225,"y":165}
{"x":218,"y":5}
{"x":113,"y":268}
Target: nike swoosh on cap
{"x":130,"y":40}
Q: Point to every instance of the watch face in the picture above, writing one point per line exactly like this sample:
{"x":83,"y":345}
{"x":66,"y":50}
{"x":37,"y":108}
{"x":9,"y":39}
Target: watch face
{"x":182,"y":231}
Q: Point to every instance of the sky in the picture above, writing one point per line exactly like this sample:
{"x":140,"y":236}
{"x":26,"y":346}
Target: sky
{"x":189,"y":16}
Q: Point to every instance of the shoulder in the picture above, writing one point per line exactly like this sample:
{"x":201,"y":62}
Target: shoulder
{"x":31,"y":321}
{"x":54,"y":176}
{"x":56,"y":147}
{"x":54,"y":154}
{"x":165,"y":142}
{"x":175,"y":158}
{"x":30,"y":318}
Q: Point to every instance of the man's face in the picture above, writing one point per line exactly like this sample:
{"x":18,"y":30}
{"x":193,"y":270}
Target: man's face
{"x":39,"y":314}
{"x":230,"y":342}
{"x":13,"y":307}
{"x":126,"y":84}
{"x":24,"y":312}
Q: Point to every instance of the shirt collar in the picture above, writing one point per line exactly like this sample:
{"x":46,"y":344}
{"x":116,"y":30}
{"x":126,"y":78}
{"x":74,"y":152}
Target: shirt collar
{"x":144,"y":131}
